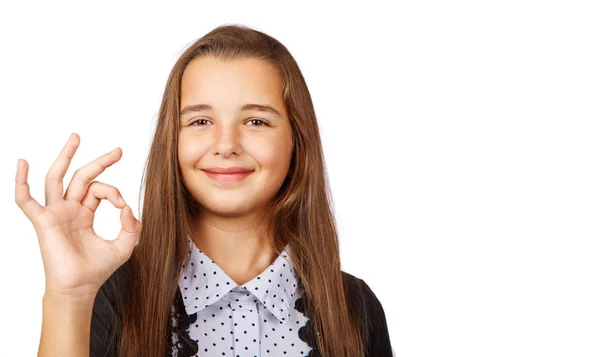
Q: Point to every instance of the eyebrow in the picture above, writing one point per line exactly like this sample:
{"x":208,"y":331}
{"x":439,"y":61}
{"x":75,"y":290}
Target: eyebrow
{"x":202,"y":107}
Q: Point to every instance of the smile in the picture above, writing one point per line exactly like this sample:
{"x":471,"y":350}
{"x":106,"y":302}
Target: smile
{"x":234,"y":177}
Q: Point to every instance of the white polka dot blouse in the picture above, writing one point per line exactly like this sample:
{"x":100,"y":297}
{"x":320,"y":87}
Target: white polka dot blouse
{"x":258,"y":318}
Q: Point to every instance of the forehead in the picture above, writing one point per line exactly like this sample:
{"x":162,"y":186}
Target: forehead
{"x":222,"y":83}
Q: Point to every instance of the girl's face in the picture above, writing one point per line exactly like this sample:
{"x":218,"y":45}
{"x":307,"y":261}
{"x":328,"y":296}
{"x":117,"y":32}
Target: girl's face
{"x":233,"y":115}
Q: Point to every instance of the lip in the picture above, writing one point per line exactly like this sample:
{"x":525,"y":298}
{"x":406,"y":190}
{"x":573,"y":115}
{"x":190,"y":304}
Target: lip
{"x":229,"y":174}
{"x":228,"y":170}
{"x":228,"y":177}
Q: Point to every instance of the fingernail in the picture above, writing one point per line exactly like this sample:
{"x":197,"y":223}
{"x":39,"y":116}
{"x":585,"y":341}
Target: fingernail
{"x":18,"y":163}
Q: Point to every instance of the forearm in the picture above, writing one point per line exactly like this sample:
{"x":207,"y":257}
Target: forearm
{"x":66,"y":326}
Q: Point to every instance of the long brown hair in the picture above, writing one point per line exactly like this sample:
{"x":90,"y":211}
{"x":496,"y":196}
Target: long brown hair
{"x":300,"y":214}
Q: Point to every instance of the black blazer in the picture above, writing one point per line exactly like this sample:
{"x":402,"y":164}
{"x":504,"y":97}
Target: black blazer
{"x":106,"y":325}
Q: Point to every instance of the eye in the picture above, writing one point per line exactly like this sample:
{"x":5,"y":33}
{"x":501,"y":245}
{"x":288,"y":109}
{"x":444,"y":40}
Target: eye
{"x":198,"y":121}
{"x":263,"y":123}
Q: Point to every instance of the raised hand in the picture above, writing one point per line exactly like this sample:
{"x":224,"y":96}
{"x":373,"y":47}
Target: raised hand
{"x":76,"y":260}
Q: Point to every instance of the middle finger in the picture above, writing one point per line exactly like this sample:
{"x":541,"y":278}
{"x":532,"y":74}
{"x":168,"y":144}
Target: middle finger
{"x":85,"y":175}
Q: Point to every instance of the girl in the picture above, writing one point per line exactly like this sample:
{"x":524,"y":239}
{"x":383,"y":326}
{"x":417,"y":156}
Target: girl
{"x":238,"y":252}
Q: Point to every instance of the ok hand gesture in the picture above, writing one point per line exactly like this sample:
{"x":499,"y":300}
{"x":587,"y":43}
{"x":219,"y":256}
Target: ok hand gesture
{"x":76,"y":260}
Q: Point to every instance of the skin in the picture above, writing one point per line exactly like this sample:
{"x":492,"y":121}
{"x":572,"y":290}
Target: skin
{"x":226,"y":229}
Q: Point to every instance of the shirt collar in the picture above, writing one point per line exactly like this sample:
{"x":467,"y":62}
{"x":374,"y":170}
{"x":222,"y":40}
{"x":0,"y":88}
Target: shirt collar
{"x":202,"y":283}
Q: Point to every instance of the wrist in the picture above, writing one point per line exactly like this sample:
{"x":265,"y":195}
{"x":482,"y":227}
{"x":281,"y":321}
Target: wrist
{"x":69,"y":300}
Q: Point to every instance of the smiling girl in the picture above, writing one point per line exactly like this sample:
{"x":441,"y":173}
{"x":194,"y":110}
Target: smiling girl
{"x":238,"y":252}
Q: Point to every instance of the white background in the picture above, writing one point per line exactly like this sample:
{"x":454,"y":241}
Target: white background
{"x":461,"y":141}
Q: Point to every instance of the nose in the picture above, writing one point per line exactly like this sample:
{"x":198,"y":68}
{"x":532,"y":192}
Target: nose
{"x":226,"y":141}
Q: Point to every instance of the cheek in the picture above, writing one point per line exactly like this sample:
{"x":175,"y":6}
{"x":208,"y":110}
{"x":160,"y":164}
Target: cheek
{"x":189,"y":151}
{"x":273,"y":156}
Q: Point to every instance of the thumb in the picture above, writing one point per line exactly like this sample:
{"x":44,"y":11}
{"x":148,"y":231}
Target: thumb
{"x":129,"y":234}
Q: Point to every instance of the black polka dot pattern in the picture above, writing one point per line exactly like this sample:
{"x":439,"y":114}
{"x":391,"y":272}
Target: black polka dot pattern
{"x":258,"y":318}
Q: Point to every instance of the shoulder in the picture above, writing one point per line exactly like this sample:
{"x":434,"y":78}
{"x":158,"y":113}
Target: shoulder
{"x":361,"y":294}
{"x":371,"y":315}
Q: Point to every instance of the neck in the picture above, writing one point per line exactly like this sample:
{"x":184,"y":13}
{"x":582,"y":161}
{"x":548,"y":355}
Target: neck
{"x":235,"y":244}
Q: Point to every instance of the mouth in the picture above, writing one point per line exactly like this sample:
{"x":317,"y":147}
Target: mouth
{"x":227,"y":177}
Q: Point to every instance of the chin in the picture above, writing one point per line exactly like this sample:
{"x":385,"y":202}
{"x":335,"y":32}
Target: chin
{"x":227,"y":208}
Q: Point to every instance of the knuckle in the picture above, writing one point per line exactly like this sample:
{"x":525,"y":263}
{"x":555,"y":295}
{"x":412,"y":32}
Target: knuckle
{"x":77,"y":175}
{"x":101,"y":189}
{"x":95,"y":186}
{"x":82,"y":174}
{"x":49,"y":176}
